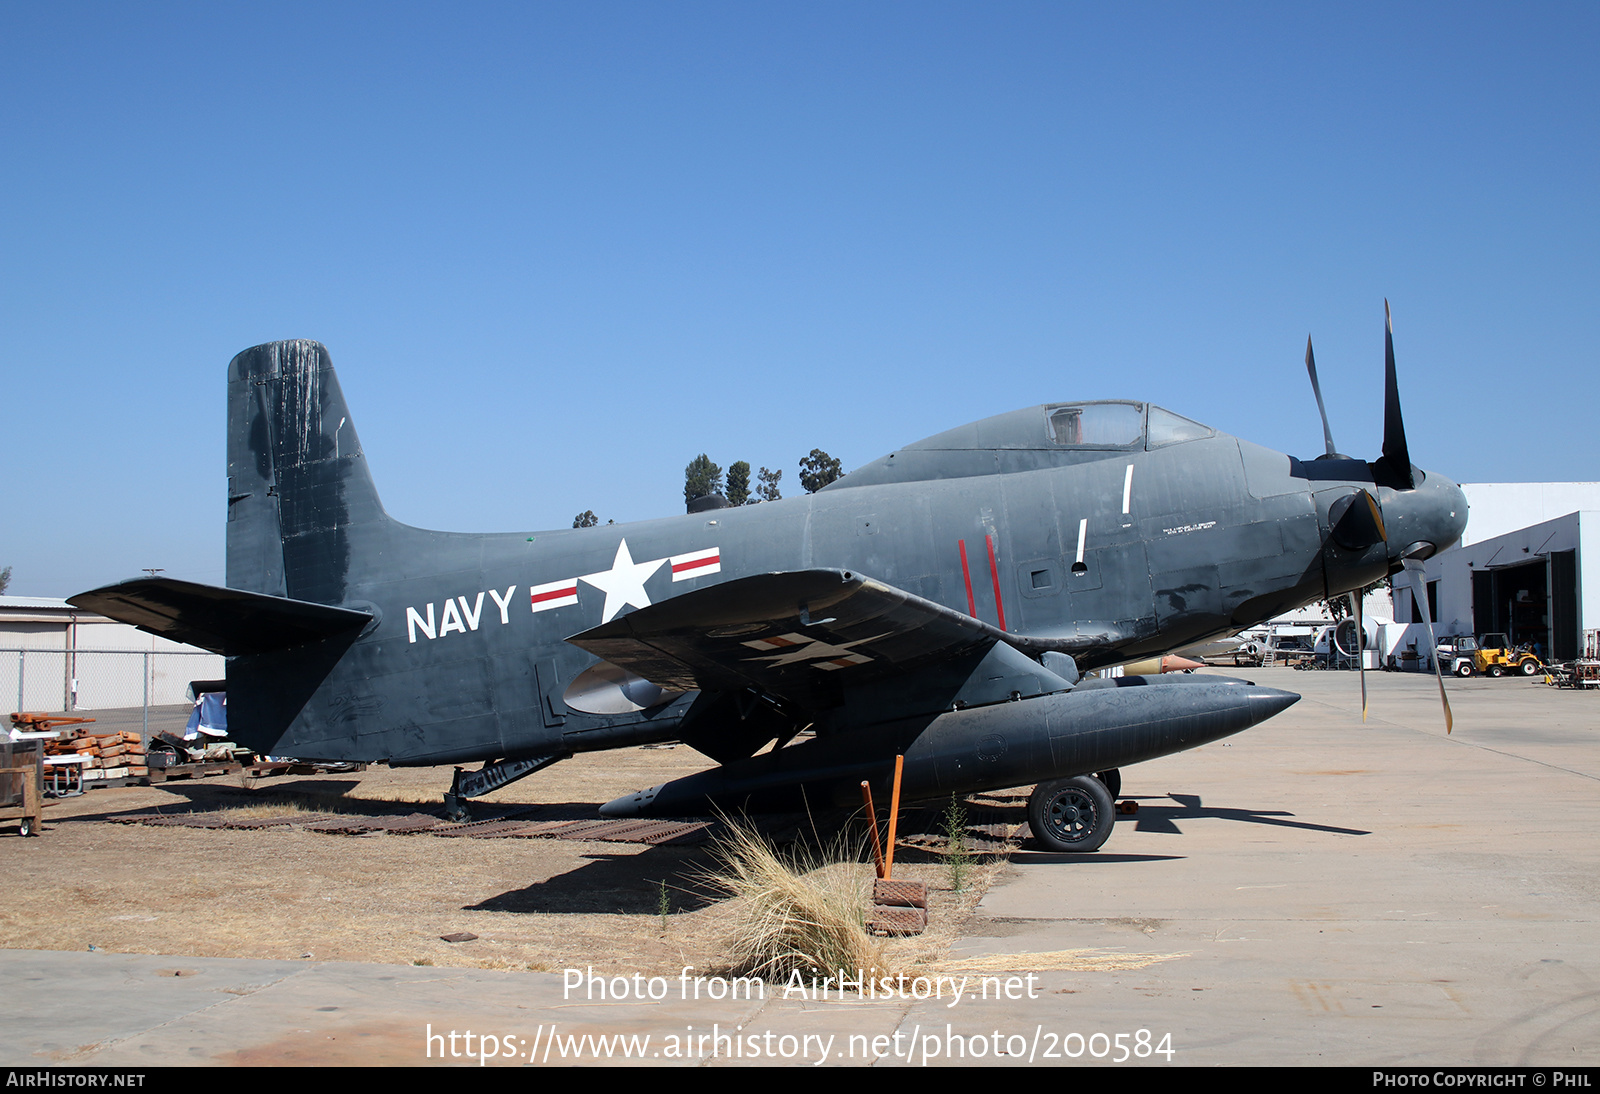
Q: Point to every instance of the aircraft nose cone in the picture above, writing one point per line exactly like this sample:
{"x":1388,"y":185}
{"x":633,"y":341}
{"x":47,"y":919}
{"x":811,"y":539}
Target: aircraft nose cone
{"x":1426,"y":520}
{"x":1266,"y":702}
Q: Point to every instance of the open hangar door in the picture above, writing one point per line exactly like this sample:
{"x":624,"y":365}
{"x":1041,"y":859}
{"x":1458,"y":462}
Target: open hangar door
{"x":1534,"y":602}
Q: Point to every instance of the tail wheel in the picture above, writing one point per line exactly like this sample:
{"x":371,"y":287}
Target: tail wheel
{"x":1073,"y":815}
{"x":26,"y":827}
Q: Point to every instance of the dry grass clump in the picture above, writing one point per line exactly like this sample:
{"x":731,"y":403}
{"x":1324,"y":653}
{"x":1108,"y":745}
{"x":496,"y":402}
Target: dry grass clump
{"x":275,"y":807}
{"x":259,"y":806}
{"x":803,"y":913}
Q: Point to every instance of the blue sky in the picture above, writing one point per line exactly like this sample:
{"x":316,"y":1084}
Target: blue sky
{"x":557,"y":250}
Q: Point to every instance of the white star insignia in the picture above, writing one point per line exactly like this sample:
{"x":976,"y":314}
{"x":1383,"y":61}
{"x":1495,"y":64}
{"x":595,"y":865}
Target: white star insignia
{"x":623,"y":584}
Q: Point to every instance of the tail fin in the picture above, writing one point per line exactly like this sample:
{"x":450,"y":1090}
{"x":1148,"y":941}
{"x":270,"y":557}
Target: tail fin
{"x":298,"y":482}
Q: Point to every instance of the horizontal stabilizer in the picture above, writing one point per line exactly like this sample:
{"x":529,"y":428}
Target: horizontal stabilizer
{"x":226,"y":621}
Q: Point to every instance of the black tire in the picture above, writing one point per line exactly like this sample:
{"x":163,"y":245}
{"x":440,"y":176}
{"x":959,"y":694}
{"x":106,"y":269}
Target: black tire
{"x":1113,"y":781}
{"x":1074,"y":815}
{"x":1463,"y":668}
{"x":1529,"y":667}
{"x":26,"y":827}
{"x":1496,"y":671}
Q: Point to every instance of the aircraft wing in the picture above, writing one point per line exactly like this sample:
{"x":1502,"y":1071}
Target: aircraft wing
{"x":226,"y":621}
{"x":799,"y":636}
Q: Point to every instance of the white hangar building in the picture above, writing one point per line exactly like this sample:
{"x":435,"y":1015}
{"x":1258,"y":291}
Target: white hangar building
{"x":54,"y":657}
{"x":1522,"y":567}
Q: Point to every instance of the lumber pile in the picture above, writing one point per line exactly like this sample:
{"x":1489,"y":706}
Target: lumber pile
{"x":111,"y":755}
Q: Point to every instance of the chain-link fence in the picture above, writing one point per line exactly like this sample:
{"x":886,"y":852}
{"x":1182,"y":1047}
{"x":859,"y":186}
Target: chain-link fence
{"x":76,"y":680}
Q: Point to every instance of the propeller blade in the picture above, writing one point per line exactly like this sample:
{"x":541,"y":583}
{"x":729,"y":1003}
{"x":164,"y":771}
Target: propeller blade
{"x":1395,"y":452}
{"x":1316,"y":389}
{"x":1419,"y":597}
{"x":1361,"y":652}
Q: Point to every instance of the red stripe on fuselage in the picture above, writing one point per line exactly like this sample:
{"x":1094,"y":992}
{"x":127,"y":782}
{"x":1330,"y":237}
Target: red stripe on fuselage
{"x":994,"y":572}
{"x":966,"y":575}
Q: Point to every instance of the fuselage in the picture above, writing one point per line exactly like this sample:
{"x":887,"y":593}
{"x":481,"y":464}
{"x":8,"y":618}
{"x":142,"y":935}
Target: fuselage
{"x":1111,"y":531}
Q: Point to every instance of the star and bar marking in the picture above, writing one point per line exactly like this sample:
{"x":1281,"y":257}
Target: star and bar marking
{"x":623,"y":583}
{"x":796,"y":648}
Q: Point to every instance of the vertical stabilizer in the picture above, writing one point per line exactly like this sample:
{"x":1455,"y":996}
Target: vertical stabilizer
{"x":298,"y":484}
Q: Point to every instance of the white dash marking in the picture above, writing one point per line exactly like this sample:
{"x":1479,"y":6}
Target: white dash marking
{"x":1127,"y":488}
{"x":1083,"y":530}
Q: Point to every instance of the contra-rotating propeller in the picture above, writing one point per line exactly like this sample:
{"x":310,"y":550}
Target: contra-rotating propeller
{"x":1393,"y":468}
{"x":1357,"y":522}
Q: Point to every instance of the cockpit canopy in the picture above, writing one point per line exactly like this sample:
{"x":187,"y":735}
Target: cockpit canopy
{"x":1040,"y":436}
{"x":1119,"y":425}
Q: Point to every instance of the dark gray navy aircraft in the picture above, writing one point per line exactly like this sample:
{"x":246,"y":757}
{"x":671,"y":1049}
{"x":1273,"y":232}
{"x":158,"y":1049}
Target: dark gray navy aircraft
{"x":940,"y":603}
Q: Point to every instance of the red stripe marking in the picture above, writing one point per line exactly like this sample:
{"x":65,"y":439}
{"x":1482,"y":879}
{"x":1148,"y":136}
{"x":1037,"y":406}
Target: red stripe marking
{"x":999,"y":608}
{"x":697,"y":564}
{"x":972,"y":608}
{"x":555,"y":594}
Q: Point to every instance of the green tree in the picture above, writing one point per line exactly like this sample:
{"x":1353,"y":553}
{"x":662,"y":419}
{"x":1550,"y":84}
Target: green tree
{"x":767,"y":485}
{"x":738,"y":483}
{"x":818,"y":470}
{"x":585,"y":519}
{"x":701,"y":478}
{"x":5,"y":580}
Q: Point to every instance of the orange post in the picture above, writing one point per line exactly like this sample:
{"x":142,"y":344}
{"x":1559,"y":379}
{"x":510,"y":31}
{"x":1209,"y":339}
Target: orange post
{"x":872,"y":818}
{"x":894,"y":817}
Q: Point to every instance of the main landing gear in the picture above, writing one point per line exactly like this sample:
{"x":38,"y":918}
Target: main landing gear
{"x":1074,"y":814}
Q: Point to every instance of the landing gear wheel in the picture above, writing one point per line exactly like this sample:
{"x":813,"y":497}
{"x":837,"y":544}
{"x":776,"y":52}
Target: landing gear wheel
{"x":1496,"y":671}
{"x":1073,"y":814}
{"x":1113,"y":781}
{"x":26,"y":827}
{"x":1529,"y":668}
{"x":1463,"y":668}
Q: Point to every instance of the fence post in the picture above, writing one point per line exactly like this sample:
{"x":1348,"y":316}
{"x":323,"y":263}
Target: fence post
{"x":22,"y":661}
{"x":146,"y":734}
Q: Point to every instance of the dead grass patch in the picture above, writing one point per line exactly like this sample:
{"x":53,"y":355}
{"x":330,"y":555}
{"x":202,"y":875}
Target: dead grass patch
{"x":285,"y":892}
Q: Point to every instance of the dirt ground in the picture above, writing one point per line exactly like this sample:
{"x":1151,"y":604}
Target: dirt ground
{"x":289,"y":893}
